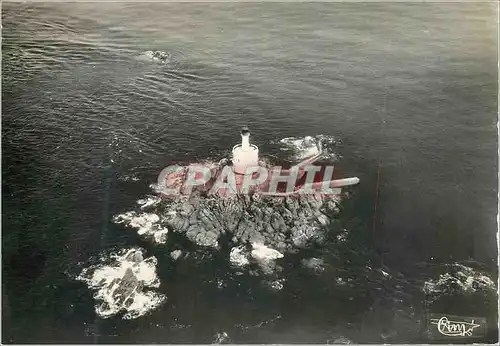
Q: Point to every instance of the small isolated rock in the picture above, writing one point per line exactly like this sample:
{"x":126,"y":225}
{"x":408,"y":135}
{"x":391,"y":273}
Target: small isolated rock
{"x":340,"y":281}
{"x":342,"y":236}
{"x":276,"y":285}
{"x":221,"y":338}
{"x":385,"y":274}
{"x":221,"y":284}
{"x":204,"y":238}
{"x":176,"y":254}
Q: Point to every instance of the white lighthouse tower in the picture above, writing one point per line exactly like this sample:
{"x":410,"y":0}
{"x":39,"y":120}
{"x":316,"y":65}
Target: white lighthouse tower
{"x":245,"y":154}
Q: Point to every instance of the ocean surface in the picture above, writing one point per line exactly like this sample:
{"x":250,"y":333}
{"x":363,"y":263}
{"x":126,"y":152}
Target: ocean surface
{"x":98,"y":98}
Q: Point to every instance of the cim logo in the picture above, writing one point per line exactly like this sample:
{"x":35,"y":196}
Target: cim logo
{"x":444,"y":326}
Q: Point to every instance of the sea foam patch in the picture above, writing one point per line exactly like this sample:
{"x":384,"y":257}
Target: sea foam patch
{"x":458,"y":279}
{"x":122,"y":282}
{"x":157,"y":56}
{"x":128,"y":178}
{"x":238,"y":257}
{"x":304,"y":147}
{"x":149,"y":202}
{"x":264,"y":253}
{"x":147,"y":224}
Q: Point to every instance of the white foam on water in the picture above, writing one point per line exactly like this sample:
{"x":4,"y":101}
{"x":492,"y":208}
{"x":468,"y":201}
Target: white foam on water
{"x":119,"y":282}
{"x":143,"y":222}
{"x":160,"y":237}
{"x":460,"y":277}
{"x":260,"y":252}
{"x":147,"y":224}
{"x":238,"y":257}
{"x":156,"y":188}
{"x":157,"y":56}
{"x":127,"y":178}
{"x":149,"y":202}
{"x":304,"y":147}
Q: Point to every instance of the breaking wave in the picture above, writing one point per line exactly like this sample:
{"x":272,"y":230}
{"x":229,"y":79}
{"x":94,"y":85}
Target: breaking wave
{"x":303,"y":147}
{"x":458,"y":279}
{"x":120,"y":281}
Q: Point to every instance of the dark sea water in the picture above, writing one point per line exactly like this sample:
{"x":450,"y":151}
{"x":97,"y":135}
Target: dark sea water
{"x":89,"y":120}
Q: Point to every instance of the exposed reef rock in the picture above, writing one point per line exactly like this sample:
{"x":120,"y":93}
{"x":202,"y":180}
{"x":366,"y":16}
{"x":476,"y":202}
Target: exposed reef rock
{"x":279,"y":223}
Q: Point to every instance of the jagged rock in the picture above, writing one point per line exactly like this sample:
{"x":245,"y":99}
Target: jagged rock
{"x":129,"y":283}
{"x":207,"y":239}
{"x":265,"y":257}
{"x":284,"y":223}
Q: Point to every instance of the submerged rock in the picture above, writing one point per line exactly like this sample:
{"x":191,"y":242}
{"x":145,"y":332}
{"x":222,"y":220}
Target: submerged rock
{"x":147,"y":224}
{"x":158,"y":55}
{"x":176,"y":254}
{"x":276,"y":285}
{"x":315,"y":264}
